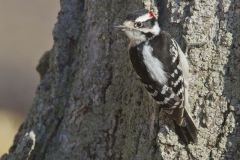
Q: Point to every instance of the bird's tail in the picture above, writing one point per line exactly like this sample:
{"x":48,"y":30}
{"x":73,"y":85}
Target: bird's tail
{"x":187,"y":131}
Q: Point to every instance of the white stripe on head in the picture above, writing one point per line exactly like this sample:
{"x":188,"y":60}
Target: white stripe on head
{"x":144,"y":18}
{"x":154,"y":30}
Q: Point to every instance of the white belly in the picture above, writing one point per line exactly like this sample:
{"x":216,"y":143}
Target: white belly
{"x":154,"y":66}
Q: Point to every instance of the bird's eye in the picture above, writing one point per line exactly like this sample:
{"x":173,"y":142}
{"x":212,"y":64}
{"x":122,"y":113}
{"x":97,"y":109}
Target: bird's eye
{"x":138,"y":24}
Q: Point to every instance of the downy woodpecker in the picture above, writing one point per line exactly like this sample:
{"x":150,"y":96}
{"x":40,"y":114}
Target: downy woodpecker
{"x":162,"y":67}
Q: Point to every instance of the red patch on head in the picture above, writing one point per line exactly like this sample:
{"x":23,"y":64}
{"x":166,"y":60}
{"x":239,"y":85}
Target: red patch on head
{"x":151,"y":14}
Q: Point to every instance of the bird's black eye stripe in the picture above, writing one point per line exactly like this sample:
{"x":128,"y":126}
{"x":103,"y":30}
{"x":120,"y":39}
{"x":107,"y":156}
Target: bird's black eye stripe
{"x":138,"y":24}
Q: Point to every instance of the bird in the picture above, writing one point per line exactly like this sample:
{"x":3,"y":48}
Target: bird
{"x":162,"y":67}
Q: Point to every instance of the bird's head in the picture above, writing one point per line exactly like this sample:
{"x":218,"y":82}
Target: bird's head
{"x":140,"y":26}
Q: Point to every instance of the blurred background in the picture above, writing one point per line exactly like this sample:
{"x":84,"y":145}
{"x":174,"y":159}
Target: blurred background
{"x":25,"y":34}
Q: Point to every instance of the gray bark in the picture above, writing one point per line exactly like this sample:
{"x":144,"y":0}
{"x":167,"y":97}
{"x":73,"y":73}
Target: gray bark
{"x":90,"y":105}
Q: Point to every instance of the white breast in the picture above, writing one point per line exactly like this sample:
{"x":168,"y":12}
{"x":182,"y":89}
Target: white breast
{"x":154,"y":66}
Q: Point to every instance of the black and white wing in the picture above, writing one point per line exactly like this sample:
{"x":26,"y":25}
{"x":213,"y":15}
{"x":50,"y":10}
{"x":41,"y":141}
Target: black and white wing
{"x":167,"y":85}
{"x":163,"y":68}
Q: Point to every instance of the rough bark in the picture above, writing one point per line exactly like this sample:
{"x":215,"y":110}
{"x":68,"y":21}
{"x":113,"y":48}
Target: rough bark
{"x":90,"y":105}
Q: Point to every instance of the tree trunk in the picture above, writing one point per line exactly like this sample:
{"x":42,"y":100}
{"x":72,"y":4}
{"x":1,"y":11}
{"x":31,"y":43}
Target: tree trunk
{"x":90,"y":105}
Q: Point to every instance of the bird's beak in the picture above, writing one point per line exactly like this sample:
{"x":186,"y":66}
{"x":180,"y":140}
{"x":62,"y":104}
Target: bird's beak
{"x":121,"y":27}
